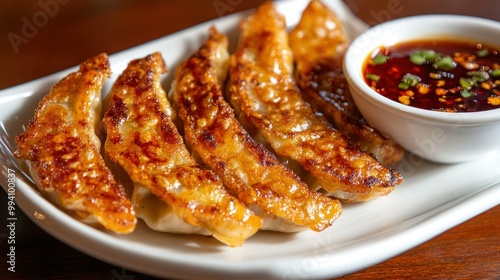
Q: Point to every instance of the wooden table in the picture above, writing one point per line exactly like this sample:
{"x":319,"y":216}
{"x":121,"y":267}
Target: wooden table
{"x":67,"y":32}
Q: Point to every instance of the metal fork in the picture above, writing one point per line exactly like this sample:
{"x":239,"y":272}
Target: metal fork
{"x":7,"y":156}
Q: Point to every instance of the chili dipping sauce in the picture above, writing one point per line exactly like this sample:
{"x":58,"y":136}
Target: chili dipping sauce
{"x":438,"y":75}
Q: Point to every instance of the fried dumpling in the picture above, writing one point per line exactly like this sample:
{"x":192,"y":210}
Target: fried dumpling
{"x":63,"y":150}
{"x":264,"y":93}
{"x":319,"y":43}
{"x":144,"y":141}
{"x":256,"y":177}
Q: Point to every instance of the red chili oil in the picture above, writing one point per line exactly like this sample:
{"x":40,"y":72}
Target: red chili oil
{"x":439,"y":75}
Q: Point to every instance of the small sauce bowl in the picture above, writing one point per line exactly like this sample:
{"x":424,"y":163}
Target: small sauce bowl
{"x":445,"y":137}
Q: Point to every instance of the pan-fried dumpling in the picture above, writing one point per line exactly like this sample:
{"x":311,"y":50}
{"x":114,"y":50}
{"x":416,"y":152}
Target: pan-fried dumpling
{"x":253,"y":174}
{"x":63,"y":150}
{"x":144,"y":141}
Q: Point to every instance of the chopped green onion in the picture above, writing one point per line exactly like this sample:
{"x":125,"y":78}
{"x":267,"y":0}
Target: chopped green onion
{"x":417,"y":58}
{"x":467,"y":83}
{"x":446,"y":63}
{"x":429,"y":54}
{"x":373,"y":77}
{"x":465,"y":93}
{"x":495,"y":72}
{"x":483,"y":52}
{"x":403,"y":86}
{"x":423,"y":56}
{"x":411,"y":80}
{"x":479,"y":76}
{"x":380,"y":59}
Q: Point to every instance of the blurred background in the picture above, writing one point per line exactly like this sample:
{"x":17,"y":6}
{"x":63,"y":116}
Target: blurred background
{"x":45,"y":36}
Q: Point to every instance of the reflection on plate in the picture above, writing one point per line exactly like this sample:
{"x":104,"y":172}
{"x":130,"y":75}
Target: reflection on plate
{"x":432,"y":199}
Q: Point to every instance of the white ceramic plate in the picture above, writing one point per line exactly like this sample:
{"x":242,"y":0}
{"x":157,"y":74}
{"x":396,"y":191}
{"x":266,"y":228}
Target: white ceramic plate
{"x":432,"y":199}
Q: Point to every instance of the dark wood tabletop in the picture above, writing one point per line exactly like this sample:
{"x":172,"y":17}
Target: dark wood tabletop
{"x":67,"y":32}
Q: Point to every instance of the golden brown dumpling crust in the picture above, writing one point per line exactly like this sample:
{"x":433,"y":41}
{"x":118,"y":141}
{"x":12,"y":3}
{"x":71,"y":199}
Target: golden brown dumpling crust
{"x":251,"y":171}
{"x":63,"y":150}
{"x":319,"y":43}
{"x":263,"y":89}
{"x":143,"y":140}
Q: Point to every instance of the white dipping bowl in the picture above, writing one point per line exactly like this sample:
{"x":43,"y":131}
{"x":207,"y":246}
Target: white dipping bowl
{"x":436,"y":136}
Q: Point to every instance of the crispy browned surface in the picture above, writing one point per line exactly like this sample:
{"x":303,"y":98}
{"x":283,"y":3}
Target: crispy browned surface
{"x":143,"y":140}
{"x":250,"y":170}
{"x":319,"y":44}
{"x":262,"y":87}
{"x":61,"y":144}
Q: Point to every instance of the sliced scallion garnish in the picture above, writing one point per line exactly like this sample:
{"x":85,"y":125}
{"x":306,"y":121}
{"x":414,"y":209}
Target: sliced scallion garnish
{"x":466,"y":93}
{"x":467,"y":83}
{"x":429,"y":54}
{"x":479,"y":76}
{"x":446,"y":63}
{"x":483,"y":52}
{"x":411,"y":80}
{"x":423,"y":56}
{"x":373,"y":77}
{"x":495,"y":72}
{"x":417,"y":58}
{"x":403,"y":86}
{"x":380,"y":59}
